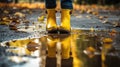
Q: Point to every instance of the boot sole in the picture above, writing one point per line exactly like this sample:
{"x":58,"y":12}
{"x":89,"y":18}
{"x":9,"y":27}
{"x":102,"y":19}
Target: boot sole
{"x":62,"y":31}
{"x":53,"y":31}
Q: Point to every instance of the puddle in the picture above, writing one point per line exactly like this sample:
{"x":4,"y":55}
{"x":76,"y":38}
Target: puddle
{"x":79,"y":49}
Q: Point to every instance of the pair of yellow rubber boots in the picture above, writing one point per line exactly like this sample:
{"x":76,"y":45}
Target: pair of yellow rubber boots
{"x":64,"y":47}
{"x":64,"y":27}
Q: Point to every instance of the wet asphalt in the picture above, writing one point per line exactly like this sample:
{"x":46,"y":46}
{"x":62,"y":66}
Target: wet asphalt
{"x":93,"y":42}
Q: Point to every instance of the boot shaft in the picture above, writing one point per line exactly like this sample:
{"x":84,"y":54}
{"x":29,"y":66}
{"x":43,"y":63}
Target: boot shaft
{"x":51,"y":14}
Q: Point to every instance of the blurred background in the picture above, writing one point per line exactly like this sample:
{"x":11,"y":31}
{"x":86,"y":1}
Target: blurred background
{"x":94,"y":42}
{"x":76,"y":3}
{"x":101,"y":2}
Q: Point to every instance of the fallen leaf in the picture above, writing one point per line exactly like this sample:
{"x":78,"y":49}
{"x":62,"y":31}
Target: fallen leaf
{"x":19,"y":14}
{"x":41,"y":18}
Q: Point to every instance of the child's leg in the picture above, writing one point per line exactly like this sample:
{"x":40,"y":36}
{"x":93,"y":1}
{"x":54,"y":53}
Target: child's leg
{"x":66,"y":4}
{"x":50,"y":4}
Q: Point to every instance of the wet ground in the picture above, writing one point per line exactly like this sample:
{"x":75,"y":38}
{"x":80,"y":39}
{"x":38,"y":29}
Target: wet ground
{"x":94,"y":40}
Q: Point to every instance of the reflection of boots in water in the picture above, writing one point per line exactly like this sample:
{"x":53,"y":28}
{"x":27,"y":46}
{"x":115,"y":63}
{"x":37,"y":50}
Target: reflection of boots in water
{"x":51,"y":62}
{"x":51,"y":45}
{"x":67,"y":60}
{"x":65,"y":46}
{"x":51,"y":55}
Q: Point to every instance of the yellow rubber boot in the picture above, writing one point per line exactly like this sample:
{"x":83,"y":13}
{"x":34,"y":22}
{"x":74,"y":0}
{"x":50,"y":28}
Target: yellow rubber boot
{"x":65,"y":26}
{"x":51,"y":25}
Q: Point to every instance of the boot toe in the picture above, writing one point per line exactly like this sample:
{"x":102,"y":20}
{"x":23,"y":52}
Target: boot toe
{"x":64,"y":30}
{"x":52,"y":30}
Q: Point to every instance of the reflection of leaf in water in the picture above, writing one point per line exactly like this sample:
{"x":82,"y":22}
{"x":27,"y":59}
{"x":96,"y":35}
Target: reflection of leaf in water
{"x":32,"y":46}
{"x":90,"y":51}
{"x":107,"y":40}
{"x":20,"y":43}
{"x":23,"y":46}
{"x":17,"y":59}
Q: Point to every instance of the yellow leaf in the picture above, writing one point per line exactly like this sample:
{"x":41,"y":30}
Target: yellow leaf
{"x":41,"y":18}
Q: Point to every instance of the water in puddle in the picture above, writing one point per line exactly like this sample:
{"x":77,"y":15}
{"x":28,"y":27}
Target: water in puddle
{"x":79,"y":49}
